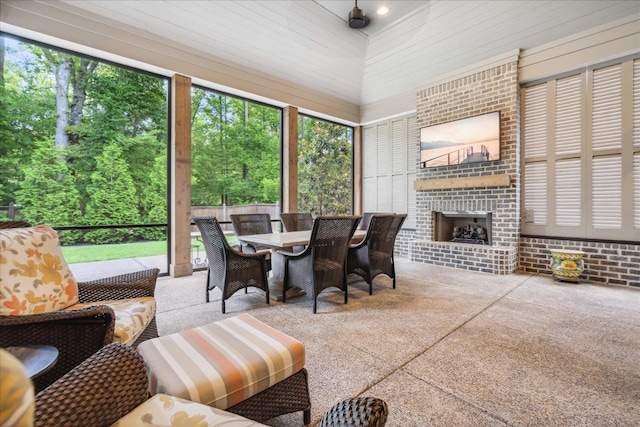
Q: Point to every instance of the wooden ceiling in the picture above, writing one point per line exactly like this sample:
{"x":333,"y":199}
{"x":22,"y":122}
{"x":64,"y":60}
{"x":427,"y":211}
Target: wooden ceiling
{"x":309,"y":44}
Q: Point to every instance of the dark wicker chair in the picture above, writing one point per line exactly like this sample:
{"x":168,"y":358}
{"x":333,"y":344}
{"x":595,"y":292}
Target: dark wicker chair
{"x":366,"y":219}
{"x":77,"y":334}
{"x":98,"y":392}
{"x":229,"y":269}
{"x":374,"y":254}
{"x":323,"y":262}
{"x":243,"y":224}
{"x":13,"y":224}
{"x":358,"y":412}
{"x":297,"y":221}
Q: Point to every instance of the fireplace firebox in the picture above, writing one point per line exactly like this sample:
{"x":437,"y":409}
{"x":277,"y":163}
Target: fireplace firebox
{"x":462,"y":227}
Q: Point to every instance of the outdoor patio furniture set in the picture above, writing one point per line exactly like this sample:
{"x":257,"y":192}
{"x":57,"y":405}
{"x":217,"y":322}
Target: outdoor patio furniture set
{"x":99,"y":378}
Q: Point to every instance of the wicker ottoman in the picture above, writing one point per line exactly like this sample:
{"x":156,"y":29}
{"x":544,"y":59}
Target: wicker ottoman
{"x":238,"y":364}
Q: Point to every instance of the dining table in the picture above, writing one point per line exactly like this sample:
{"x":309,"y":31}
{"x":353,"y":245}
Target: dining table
{"x":285,"y":241}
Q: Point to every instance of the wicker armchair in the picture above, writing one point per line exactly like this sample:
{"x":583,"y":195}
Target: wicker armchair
{"x":111,"y":388}
{"x":323,"y":262}
{"x":13,"y":224}
{"x":374,"y":254}
{"x":297,"y":221}
{"x":77,"y":334}
{"x":98,"y":392}
{"x":229,"y":269}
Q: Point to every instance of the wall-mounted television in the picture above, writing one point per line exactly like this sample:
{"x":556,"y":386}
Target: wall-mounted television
{"x":470,"y":140}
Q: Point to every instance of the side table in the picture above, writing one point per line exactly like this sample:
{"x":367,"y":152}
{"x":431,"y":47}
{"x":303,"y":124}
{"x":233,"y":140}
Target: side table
{"x":37,"y":359}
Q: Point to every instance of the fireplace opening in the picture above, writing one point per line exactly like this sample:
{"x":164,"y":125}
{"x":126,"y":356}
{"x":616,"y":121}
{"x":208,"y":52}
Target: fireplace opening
{"x":462,"y":227}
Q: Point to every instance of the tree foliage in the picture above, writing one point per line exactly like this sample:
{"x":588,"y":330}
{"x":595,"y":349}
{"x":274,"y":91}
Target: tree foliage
{"x":47,"y":191}
{"x":324,"y":167}
{"x":113,"y":197}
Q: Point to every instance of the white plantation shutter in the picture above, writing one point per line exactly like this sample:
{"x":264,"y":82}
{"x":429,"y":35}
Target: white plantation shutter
{"x":535,"y":121}
{"x":568,"y":191}
{"x":581,"y":154}
{"x":384,"y":194}
{"x":636,"y":104}
{"x":384,"y":163}
{"x":390,"y":159}
{"x":369,"y":152}
{"x":398,"y":147}
{"x":606,"y":192}
{"x":370,"y":194}
{"x":636,"y":191}
{"x":606,"y":114}
{"x":535,"y":191}
{"x":568,"y":134}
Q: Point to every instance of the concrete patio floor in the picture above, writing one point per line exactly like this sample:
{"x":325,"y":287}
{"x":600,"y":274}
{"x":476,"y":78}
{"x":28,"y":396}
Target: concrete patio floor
{"x":452,"y":348}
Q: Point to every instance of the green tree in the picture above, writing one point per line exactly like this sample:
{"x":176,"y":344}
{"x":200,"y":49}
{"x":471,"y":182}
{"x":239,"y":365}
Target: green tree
{"x":47,"y":195}
{"x":26,"y":102}
{"x":235,"y":150}
{"x":112,"y":197}
{"x":324,"y":167}
{"x":154,"y":200}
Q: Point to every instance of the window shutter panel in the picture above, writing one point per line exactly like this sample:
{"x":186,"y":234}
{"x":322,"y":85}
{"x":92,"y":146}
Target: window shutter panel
{"x":606,"y":194}
{"x":606,"y":114}
{"x":568,"y":124}
{"x":412,"y":145}
{"x":398,"y":147}
{"x":636,"y":105}
{"x":535,"y":121}
{"x":636,"y":191}
{"x":369,"y":151}
{"x":384,"y":194}
{"x":568,"y":193}
{"x":383,"y":163}
{"x":535,"y":191}
{"x":369,"y":200}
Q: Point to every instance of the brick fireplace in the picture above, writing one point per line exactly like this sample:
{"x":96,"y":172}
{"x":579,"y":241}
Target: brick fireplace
{"x":489,"y":188}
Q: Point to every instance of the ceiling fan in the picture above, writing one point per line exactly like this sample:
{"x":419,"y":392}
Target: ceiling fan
{"x":357,"y":19}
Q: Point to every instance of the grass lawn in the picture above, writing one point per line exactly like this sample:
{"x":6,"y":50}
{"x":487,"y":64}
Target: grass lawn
{"x":88,"y":253}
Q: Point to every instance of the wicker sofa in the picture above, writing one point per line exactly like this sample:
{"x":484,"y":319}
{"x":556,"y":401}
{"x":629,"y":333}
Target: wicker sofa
{"x":34,"y":314}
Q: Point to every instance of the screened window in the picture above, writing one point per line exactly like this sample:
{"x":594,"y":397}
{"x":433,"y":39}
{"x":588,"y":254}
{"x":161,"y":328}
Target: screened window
{"x":325,"y":167}
{"x":235,"y":155}
{"x":84,"y":143}
{"x":581,"y":151}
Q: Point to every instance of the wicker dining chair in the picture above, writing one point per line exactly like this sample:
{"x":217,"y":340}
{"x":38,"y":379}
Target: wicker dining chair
{"x":374,"y":254}
{"x":322,"y":264}
{"x":296,"y":221}
{"x":257,"y":223}
{"x":229,"y":269}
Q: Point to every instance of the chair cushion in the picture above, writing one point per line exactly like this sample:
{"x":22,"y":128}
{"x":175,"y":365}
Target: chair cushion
{"x":34,"y":277}
{"x":164,"y":410}
{"x":16,"y":393}
{"x":223,"y":363}
{"x":132,"y":316}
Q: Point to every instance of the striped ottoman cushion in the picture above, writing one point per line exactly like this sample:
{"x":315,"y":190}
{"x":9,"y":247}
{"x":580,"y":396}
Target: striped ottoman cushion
{"x":221,"y":364}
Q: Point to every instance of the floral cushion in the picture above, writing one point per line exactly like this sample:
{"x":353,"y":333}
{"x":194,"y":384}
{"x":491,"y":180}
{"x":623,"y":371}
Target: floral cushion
{"x":164,"y":410}
{"x":16,"y":393}
{"x":34,"y":277}
{"x":132,"y":316}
